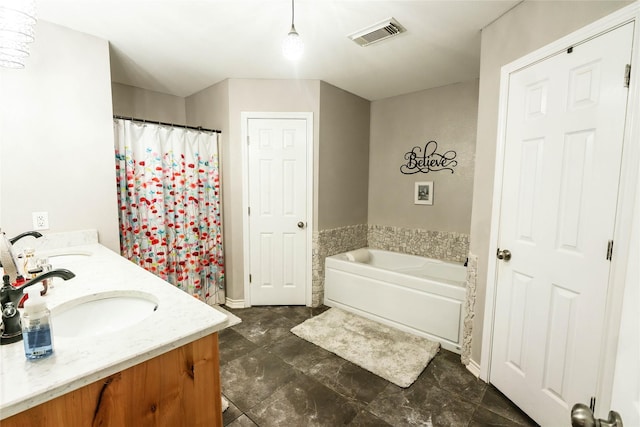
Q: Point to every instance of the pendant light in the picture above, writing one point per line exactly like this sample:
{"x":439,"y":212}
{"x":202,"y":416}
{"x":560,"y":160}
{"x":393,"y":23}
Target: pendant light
{"x":292,"y":45}
{"x":17,"y":22}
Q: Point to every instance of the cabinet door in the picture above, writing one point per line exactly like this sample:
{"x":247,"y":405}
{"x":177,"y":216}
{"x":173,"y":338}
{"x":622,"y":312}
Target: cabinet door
{"x":181,"y":387}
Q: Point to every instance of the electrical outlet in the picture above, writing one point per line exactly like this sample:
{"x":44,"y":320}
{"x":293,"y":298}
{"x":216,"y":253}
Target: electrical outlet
{"x":40,"y":220}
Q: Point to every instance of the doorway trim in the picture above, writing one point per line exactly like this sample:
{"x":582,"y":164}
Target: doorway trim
{"x":244,"y":120}
{"x":629,"y":181}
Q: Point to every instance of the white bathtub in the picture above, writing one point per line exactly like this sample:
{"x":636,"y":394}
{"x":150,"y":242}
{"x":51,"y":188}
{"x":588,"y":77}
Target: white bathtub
{"x":419,"y":295}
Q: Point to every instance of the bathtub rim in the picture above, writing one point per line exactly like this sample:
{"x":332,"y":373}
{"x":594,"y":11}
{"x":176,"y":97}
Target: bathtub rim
{"x":340,"y":260}
{"x":434,"y":287}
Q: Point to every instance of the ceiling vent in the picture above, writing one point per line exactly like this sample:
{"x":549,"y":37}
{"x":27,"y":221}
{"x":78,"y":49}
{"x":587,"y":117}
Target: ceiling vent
{"x":377,"y":32}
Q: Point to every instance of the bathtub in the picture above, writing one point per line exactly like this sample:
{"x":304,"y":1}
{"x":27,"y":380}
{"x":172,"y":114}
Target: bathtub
{"x":419,"y":295}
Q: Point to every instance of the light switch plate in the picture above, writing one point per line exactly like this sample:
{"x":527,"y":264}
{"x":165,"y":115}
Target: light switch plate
{"x":40,"y":220}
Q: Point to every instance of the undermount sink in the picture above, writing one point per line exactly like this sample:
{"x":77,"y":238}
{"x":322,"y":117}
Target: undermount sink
{"x":102,"y":313}
{"x":59,"y":259}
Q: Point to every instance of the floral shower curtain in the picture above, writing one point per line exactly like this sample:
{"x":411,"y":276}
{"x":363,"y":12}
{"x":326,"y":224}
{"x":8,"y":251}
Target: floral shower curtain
{"x":169,"y":205}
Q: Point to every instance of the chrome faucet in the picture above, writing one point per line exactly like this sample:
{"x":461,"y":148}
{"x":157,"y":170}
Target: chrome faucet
{"x":14,"y":294}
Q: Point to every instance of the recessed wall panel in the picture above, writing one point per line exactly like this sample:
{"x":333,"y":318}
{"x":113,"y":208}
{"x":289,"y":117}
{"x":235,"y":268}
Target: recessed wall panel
{"x":561,"y":326}
{"x":266,"y":260}
{"x":530,"y":170}
{"x":288,"y":187}
{"x":536,"y":100}
{"x":288,"y":260}
{"x":516,"y":343}
{"x":288,"y":139}
{"x":265,"y":172}
{"x":265,"y":139}
{"x":576,"y":160}
{"x":584,"y":86}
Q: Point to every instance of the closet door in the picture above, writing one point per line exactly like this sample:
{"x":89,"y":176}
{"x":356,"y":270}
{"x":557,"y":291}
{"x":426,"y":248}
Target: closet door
{"x":277,"y":210}
{"x":563,"y":147}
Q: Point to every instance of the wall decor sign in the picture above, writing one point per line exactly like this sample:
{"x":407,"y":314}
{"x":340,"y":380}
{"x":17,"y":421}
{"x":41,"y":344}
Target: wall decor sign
{"x":423,"y":193}
{"x":426,"y":159}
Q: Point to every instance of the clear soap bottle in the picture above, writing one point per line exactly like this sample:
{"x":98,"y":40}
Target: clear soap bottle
{"x":36,"y":325}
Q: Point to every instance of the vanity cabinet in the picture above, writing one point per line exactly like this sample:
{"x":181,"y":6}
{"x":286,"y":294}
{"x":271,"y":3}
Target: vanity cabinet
{"x":180,"y":388}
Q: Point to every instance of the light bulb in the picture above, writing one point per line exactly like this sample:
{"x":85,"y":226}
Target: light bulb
{"x":292,"y":46}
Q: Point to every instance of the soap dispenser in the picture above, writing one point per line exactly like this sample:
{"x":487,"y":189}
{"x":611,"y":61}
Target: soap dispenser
{"x":36,"y":325}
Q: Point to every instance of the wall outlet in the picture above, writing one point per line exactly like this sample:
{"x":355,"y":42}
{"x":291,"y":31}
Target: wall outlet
{"x":40,"y":220}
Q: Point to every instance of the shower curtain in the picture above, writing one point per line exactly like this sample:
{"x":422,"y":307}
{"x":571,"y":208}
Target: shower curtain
{"x":169,"y":205}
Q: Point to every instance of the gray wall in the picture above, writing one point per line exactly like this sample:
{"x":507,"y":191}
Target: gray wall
{"x":527,"y":27}
{"x":131,"y":101}
{"x":220,"y":106}
{"x":341,"y":136}
{"x":447,"y":115}
{"x":343,"y":175}
{"x":359,"y":148}
{"x":209,"y":108}
{"x":56,"y":138}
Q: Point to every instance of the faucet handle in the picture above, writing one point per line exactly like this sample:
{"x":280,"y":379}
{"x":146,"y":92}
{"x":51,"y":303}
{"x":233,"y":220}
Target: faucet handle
{"x":35,"y":234}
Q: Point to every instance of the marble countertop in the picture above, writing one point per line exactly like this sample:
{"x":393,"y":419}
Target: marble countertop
{"x":76,"y":362}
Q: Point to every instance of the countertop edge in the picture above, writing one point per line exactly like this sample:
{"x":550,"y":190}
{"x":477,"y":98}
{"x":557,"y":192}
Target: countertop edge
{"x":83,"y":378}
{"x":75,"y":384}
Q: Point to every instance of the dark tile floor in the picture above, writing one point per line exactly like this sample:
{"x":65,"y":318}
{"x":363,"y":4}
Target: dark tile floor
{"x":273,"y":378}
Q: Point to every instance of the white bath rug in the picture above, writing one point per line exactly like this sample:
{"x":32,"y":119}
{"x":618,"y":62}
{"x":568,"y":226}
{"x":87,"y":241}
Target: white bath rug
{"x":394,"y":355}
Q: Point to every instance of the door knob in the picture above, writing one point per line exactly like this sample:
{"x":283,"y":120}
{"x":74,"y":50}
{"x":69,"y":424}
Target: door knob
{"x":300,"y":224}
{"x":582,"y":415}
{"x":504,"y":254}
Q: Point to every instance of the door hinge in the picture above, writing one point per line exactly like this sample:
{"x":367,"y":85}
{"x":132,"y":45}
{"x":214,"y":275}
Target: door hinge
{"x":609,"y":250}
{"x":248,"y":139}
{"x":592,"y":404}
{"x":627,"y":75}
{"x":249,"y":210}
{"x":249,"y":278}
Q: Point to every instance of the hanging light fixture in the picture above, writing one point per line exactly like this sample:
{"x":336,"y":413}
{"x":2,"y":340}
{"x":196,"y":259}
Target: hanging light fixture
{"x":17,"y":22}
{"x":292,"y":45}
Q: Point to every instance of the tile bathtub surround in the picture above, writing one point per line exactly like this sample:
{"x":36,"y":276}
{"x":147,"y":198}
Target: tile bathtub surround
{"x":469,"y":308}
{"x":442,"y":245}
{"x":447,"y":246}
{"x":330,"y":242}
{"x":273,"y":378}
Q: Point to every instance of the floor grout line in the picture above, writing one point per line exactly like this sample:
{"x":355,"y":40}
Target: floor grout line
{"x":268,"y":344}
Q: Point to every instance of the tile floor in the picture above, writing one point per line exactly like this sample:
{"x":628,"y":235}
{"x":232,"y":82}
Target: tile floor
{"x":273,"y":378}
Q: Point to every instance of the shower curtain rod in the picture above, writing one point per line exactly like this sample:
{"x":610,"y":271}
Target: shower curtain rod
{"x":166,"y":124}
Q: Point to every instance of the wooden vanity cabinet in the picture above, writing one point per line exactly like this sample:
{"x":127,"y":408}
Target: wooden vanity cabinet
{"x":180,"y":388}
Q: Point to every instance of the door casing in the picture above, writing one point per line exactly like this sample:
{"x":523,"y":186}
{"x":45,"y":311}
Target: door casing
{"x":245,"y":117}
{"x":629,"y":180}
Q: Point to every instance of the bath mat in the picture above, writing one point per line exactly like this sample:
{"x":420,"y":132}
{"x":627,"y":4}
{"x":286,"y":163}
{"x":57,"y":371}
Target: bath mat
{"x":394,"y":355}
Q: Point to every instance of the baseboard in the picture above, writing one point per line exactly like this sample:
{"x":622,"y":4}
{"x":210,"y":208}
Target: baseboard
{"x":474,"y":368}
{"x":234,"y":303}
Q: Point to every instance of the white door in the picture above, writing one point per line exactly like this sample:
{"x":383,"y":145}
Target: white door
{"x":565,"y":122}
{"x":277,"y":159}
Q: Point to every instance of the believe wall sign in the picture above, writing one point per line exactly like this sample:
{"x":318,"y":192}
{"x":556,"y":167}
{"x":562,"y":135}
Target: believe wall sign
{"x":426,"y":159}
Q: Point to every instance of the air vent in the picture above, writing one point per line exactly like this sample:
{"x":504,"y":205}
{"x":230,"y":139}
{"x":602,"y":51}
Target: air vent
{"x":377,"y":32}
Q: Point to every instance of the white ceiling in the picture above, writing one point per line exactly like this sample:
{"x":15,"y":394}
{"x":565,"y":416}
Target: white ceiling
{"x":181,"y":46}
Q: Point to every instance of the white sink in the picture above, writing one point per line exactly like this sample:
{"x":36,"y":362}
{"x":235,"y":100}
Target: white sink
{"x":102,"y":313}
{"x":61,"y":259}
